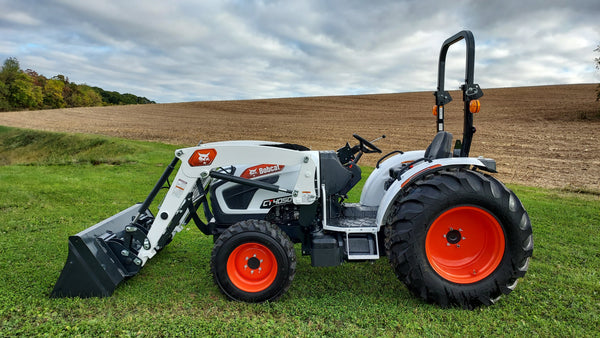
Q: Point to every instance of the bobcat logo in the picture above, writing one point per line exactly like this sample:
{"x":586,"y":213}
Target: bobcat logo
{"x":262,"y":169}
{"x":202,"y":157}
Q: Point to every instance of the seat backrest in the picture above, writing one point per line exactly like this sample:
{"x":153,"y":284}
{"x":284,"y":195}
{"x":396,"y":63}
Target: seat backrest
{"x":333,"y":174}
{"x":440,"y":147}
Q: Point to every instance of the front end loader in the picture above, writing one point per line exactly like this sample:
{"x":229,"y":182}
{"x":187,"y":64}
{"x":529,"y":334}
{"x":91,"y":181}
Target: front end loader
{"x":454,"y":234}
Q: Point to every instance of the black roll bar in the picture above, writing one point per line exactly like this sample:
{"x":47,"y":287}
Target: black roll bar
{"x":471,"y":91}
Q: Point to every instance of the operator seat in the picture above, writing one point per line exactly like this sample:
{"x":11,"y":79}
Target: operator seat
{"x":440,"y":147}
{"x":337,"y":178}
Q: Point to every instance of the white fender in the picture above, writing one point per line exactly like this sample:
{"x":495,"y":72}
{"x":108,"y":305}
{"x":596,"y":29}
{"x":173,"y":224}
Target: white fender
{"x":395,"y":189}
{"x":373,"y":190}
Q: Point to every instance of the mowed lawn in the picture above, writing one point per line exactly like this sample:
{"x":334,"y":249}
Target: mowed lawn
{"x":55,"y":185}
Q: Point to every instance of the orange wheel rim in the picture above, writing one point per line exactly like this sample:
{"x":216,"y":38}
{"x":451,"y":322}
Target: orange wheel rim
{"x":465,"y":244}
{"x":252,"y":267}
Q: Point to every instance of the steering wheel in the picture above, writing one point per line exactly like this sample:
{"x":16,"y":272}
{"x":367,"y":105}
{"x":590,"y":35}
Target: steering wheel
{"x":366,"y":146}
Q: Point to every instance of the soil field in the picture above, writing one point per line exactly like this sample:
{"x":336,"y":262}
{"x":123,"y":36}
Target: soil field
{"x":546,"y":136}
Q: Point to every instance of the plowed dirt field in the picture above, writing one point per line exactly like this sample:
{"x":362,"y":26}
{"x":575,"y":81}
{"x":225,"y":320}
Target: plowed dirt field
{"x":546,"y":136}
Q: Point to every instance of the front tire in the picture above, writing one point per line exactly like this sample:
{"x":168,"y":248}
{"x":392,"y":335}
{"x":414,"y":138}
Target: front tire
{"x":253,"y":261}
{"x":459,"y":237}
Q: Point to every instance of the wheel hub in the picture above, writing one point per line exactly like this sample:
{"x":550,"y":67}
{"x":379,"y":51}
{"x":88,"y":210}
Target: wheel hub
{"x":253,"y":263}
{"x":453,"y":236}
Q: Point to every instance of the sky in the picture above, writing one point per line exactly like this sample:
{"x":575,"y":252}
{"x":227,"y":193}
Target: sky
{"x":199,"y":50}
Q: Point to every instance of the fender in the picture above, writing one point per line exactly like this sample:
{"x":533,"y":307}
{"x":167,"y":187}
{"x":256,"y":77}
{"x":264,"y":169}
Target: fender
{"x":374,"y":189}
{"x":425,"y":168}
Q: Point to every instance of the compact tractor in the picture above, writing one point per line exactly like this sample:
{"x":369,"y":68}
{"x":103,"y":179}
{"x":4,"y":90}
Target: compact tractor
{"x":454,"y":234}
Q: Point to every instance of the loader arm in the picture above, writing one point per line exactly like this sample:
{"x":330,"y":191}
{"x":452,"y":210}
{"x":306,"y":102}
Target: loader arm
{"x":200,"y":164}
{"x":103,"y":255}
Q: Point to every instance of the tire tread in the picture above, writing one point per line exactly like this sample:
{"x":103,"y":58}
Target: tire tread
{"x":407,"y":224}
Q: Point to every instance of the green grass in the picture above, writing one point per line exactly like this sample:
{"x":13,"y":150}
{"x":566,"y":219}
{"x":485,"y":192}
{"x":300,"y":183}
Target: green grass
{"x":43,"y":200}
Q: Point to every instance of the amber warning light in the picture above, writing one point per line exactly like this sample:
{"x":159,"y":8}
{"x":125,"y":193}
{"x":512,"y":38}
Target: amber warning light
{"x":474,"y":106}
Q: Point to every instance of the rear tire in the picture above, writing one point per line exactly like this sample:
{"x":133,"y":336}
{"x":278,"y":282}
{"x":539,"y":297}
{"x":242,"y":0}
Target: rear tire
{"x":253,"y":261}
{"x":459,"y":237}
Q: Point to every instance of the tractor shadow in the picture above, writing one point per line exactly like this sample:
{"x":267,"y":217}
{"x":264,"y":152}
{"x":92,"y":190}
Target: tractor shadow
{"x":373,"y":282}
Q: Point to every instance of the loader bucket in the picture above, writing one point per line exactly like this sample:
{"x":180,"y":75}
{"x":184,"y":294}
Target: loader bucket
{"x":102,"y":256}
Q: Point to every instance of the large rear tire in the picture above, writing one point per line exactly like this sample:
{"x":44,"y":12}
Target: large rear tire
{"x":459,"y":237}
{"x":253,"y":261}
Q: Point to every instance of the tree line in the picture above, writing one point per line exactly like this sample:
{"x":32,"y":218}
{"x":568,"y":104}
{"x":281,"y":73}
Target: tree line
{"x":26,"y":89}
{"x":597,"y":60}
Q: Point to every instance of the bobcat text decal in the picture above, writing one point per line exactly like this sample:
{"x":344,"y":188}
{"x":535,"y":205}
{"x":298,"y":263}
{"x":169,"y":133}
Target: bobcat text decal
{"x":261,"y":169}
{"x":202,"y":157}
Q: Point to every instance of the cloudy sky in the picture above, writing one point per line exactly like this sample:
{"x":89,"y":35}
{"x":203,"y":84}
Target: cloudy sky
{"x":174,"y":51}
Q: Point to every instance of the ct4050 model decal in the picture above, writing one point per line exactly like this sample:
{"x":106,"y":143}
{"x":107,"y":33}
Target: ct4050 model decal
{"x":266,"y":204}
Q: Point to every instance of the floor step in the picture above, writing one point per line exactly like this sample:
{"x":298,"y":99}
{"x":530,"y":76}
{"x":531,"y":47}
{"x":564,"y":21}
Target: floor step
{"x":351,"y":223}
{"x":362,"y":246}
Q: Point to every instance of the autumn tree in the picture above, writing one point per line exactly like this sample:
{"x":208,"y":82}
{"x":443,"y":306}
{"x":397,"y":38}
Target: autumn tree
{"x":53,"y":94}
{"x":23,"y":94}
{"x":597,"y":67}
{"x":29,"y":90}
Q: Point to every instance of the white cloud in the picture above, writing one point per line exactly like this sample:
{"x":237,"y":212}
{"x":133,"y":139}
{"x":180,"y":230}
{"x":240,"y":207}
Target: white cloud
{"x":190,"y":50}
{"x":17,"y":17}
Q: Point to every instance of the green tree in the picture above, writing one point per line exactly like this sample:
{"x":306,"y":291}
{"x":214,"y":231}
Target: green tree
{"x":53,"y":94}
{"x":597,"y":67}
{"x":29,"y":90}
{"x":4,"y":106}
{"x":23,"y":94}
{"x":9,"y":71}
{"x":8,"y":74}
{"x":19,"y":89}
{"x":81,"y":96}
{"x":91,"y":98}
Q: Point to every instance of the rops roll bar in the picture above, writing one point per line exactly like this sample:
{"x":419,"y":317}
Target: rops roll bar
{"x":471,"y":91}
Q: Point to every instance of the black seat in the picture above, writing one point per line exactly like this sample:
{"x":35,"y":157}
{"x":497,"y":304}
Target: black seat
{"x":440,"y":147}
{"x":333,"y":174}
